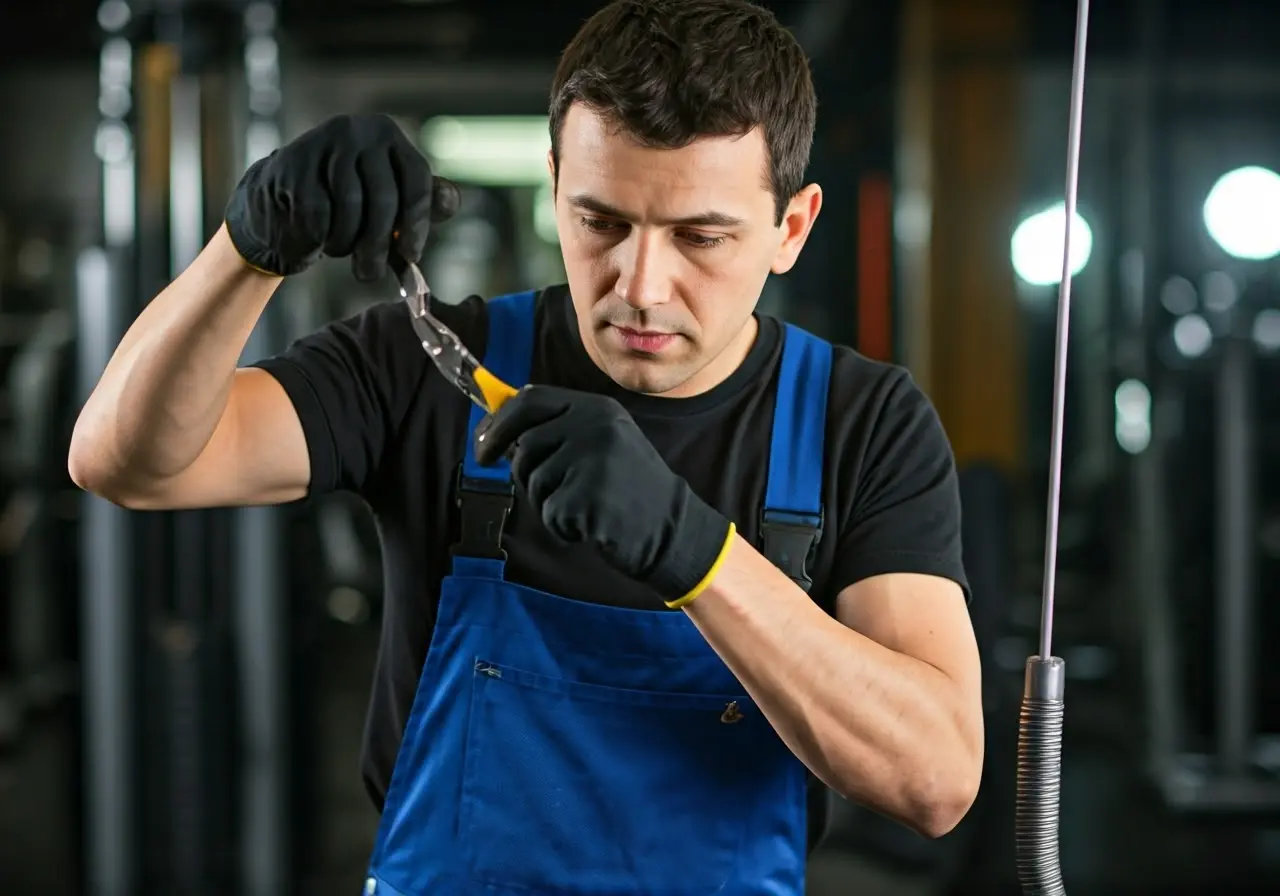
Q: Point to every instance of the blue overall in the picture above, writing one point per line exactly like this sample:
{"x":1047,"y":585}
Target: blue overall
{"x":562,"y":747}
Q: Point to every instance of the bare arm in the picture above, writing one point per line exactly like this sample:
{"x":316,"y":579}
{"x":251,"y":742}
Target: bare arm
{"x":172,"y":423}
{"x":882,"y":703}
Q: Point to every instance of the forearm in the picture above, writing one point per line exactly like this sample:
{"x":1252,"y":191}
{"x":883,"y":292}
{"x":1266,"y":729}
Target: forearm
{"x":165,"y":388}
{"x":881,"y":728}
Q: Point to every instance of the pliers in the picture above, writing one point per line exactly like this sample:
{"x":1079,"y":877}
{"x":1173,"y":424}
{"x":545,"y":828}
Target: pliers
{"x":459,"y":366}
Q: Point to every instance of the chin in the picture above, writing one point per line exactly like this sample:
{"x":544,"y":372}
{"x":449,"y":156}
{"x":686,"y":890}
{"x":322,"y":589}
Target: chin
{"x":647,"y":377}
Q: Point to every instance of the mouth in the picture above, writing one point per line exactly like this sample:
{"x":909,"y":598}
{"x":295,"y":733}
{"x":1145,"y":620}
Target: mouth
{"x":647,"y":342}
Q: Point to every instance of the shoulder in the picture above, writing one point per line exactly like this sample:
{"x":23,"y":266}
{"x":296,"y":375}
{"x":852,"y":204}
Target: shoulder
{"x":884,"y":436}
{"x":862,"y":392}
{"x":894,"y":476}
{"x":874,"y":396}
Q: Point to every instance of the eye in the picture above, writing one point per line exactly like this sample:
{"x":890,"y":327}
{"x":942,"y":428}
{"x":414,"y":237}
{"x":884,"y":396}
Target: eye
{"x":601,"y":226}
{"x":702,"y":241}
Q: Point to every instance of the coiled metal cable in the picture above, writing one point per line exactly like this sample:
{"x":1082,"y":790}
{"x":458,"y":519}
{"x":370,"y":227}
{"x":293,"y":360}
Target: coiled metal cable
{"x":1040,"y":779}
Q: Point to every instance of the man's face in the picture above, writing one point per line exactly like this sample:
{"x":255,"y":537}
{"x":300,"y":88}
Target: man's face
{"x":667,"y":250}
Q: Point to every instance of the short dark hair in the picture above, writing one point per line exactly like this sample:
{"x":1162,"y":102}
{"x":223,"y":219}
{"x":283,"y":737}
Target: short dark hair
{"x":670,"y":71}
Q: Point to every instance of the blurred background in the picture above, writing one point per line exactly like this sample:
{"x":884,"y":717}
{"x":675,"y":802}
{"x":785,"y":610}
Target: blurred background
{"x":182,"y":695}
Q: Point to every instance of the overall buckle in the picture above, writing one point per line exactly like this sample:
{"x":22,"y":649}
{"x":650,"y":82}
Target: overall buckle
{"x":788,"y":540}
{"x":483,"y":506}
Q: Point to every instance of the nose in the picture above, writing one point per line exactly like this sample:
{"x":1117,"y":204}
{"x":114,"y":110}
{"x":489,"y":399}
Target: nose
{"x":643,"y":281}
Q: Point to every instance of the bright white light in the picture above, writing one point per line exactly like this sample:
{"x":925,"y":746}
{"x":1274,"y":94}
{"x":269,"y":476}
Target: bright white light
{"x":1036,"y":248}
{"x":497,"y":151}
{"x":1242,"y":213}
{"x":112,"y":142}
{"x":1133,"y":416}
{"x":261,"y":138}
{"x":1192,"y":336}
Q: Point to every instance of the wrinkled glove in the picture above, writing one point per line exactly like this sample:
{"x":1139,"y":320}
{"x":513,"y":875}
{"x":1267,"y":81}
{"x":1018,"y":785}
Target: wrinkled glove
{"x":340,"y":189}
{"x":595,"y":479}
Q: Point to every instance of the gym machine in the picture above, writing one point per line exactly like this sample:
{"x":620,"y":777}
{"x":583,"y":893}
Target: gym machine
{"x":37,"y":593}
{"x":184,"y":697}
{"x":1229,"y":778}
{"x":36,"y":522}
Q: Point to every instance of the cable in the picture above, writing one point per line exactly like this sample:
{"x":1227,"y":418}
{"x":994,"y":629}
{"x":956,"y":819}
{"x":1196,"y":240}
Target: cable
{"x":1040,"y":721}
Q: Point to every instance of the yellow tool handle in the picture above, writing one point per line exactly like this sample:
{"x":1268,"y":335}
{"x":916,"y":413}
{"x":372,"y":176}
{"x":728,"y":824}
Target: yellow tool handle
{"x":495,"y":391}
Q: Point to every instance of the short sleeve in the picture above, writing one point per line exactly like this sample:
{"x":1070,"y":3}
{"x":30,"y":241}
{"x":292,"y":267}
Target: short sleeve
{"x":348,"y":383}
{"x":904,"y":515}
{"x":353,"y":383}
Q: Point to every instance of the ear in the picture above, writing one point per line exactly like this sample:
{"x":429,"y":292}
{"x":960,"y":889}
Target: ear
{"x":551,"y":167}
{"x":801,"y":212}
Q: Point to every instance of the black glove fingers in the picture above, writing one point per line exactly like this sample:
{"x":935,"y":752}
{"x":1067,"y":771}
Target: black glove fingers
{"x":543,"y":480}
{"x":535,"y":459}
{"x":333,"y":190}
{"x":528,"y":409}
{"x":381,"y":206}
{"x":414,"y":180}
{"x":346,"y":200}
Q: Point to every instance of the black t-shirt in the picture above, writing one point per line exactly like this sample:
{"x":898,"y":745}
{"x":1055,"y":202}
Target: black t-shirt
{"x":381,"y":422}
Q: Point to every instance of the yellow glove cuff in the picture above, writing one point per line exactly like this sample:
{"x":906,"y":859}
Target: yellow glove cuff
{"x":706,"y":580}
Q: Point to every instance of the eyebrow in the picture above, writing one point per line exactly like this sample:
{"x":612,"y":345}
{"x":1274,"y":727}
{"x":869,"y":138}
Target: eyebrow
{"x":589,"y":203}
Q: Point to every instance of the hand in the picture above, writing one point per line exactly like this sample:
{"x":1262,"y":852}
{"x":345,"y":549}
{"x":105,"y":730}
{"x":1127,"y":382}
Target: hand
{"x":340,"y":189}
{"x":594,"y":478}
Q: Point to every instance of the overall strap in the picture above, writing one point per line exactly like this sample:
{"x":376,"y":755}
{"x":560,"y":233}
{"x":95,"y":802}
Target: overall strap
{"x":485,"y":494}
{"x":792,"y":522}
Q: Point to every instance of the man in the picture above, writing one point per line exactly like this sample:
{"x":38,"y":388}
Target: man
{"x":704,"y":557}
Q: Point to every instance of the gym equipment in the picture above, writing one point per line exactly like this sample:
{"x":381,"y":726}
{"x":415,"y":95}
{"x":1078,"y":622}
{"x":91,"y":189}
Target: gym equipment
{"x":184,"y":639}
{"x":1229,"y":777}
{"x":36,"y":531}
{"x":103,"y":280}
{"x":1192,"y":773}
{"x":1040,"y":725}
{"x":262,"y":630}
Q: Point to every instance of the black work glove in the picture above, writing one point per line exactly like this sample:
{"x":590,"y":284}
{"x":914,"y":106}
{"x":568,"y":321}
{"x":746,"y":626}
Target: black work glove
{"x":340,"y":189}
{"x":594,"y":478}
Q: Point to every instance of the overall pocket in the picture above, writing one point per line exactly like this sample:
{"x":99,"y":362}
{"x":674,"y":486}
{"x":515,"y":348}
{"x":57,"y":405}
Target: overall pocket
{"x":574,"y":788}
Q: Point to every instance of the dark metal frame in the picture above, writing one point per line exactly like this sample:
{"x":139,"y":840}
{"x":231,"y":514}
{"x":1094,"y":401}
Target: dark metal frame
{"x":1228,"y":780}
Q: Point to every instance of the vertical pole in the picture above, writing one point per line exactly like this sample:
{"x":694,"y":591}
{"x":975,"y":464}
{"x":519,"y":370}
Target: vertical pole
{"x":260,"y":588}
{"x":1236,"y":554}
{"x":103,"y":284}
{"x":187,"y":643}
{"x":1150,"y":559}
